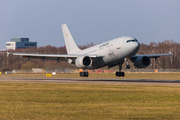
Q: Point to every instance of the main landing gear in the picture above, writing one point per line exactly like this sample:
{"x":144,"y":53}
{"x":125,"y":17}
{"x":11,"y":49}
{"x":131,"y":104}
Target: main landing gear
{"x":84,"y":74}
{"x":120,"y":74}
{"x":127,"y":66}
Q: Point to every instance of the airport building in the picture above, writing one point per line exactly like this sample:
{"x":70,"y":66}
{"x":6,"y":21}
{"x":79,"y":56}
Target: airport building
{"x":20,"y":43}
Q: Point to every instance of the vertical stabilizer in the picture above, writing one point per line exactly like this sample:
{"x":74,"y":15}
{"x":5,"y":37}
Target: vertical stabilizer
{"x":71,"y":46}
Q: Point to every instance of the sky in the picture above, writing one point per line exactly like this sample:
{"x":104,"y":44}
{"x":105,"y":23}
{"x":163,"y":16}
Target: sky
{"x":89,"y":20}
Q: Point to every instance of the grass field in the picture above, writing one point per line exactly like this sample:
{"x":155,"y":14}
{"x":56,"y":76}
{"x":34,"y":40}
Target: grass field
{"x":56,"y":101}
{"x":87,"y":101}
{"x":164,"y":76}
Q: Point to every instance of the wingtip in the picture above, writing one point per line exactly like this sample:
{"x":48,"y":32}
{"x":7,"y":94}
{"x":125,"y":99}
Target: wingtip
{"x":171,"y":53}
{"x":9,"y":53}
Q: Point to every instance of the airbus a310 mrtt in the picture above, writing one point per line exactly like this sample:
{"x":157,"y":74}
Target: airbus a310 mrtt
{"x":110,"y":53}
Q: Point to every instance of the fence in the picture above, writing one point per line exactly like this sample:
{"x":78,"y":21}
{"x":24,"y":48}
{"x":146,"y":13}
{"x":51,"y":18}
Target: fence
{"x":62,"y":70}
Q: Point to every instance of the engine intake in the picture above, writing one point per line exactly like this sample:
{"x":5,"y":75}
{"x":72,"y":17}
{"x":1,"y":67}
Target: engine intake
{"x":142,"y":62}
{"x":83,"y":61}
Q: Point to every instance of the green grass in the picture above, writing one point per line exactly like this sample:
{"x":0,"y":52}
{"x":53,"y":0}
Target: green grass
{"x":164,"y":76}
{"x":87,"y":101}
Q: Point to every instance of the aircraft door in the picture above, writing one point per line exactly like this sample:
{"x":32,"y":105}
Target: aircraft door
{"x":118,"y":48}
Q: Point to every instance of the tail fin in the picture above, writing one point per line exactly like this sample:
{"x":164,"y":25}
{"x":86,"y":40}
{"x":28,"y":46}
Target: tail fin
{"x":71,"y":46}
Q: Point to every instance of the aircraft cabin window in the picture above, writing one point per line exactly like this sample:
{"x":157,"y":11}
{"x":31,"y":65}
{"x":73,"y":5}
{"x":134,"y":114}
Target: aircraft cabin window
{"x":131,"y":41}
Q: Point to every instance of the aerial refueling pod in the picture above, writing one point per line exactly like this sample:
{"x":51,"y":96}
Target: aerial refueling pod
{"x":83,"y":61}
{"x":142,"y":62}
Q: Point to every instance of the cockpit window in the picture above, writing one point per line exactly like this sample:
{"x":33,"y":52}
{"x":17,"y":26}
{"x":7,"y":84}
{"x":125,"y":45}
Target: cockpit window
{"x":131,"y":41}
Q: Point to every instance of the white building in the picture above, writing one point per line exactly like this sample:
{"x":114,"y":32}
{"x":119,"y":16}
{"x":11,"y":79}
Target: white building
{"x":20,"y":43}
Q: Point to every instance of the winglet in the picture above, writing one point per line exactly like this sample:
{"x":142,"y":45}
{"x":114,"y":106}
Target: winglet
{"x":170,"y":53}
{"x":9,"y":53}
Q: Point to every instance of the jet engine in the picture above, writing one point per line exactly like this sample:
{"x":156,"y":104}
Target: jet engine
{"x":83,"y":61}
{"x":142,"y":62}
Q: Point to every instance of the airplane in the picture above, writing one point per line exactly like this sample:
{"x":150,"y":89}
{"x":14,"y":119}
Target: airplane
{"x":110,"y":53}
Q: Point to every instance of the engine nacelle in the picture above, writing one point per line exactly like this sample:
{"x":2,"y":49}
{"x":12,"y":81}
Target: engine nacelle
{"x":142,"y":62}
{"x":83,"y":61}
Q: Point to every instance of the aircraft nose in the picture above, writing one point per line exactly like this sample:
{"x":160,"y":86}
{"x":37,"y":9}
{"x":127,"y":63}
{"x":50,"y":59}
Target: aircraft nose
{"x":136,"y":46}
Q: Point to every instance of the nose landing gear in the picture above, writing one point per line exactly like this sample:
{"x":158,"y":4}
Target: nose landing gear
{"x":120,"y":74}
{"x":127,"y":66}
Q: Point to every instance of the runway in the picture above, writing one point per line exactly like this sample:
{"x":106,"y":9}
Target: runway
{"x":92,"y":81}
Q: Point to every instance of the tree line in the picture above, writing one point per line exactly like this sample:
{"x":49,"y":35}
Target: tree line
{"x":18,"y":62}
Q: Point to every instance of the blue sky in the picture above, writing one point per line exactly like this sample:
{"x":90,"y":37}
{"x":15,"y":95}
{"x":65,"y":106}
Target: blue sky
{"x":89,"y":20}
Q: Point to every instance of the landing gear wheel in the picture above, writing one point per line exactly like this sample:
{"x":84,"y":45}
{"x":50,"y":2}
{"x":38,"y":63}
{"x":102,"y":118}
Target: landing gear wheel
{"x":119,"y":74}
{"x":84,"y":74}
{"x":127,"y":66}
{"x":81,"y":74}
{"x":122,"y":74}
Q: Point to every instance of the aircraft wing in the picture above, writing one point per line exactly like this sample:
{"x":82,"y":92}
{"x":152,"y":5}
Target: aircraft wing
{"x":152,"y":55}
{"x":58,"y":57}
